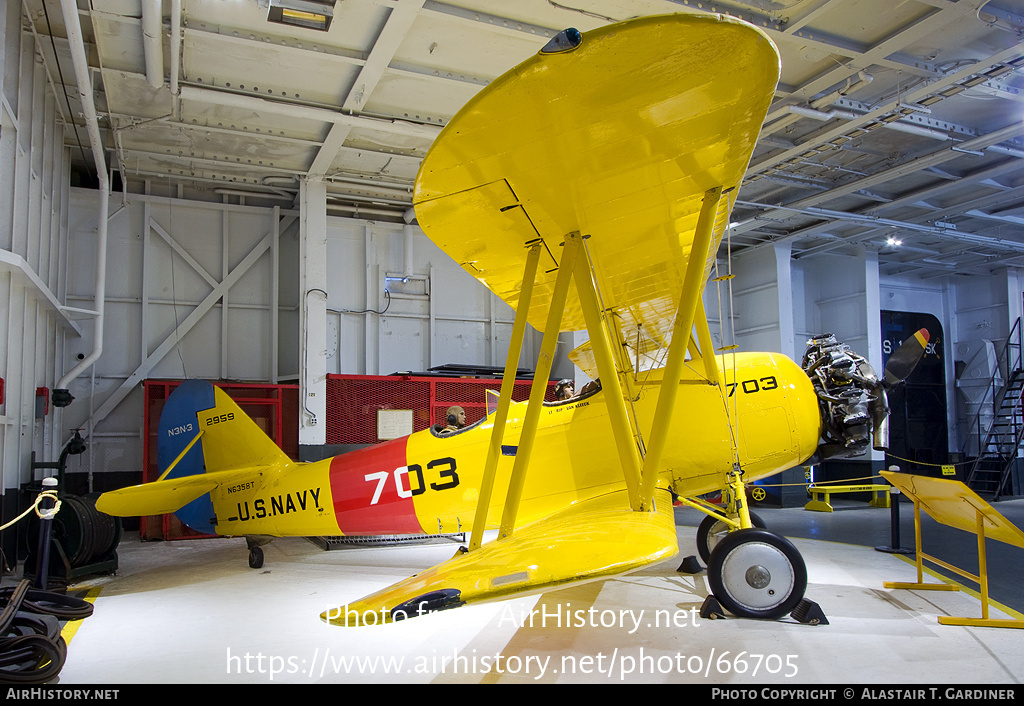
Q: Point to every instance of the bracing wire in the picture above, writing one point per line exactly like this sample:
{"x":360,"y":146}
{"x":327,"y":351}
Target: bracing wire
{"x":731,"y":413}
{"x":613,"y":336}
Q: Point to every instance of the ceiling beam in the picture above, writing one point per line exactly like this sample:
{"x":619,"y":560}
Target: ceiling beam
{"x":395,"y":29}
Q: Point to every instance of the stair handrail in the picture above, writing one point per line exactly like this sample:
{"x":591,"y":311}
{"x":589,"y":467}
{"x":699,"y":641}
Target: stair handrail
{"x":1006,"y":369}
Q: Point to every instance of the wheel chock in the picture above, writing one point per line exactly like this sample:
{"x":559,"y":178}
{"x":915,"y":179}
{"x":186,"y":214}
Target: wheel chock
{"x":711,"y":609}
{"x":690,"y":565}
{"x":809,"y":613}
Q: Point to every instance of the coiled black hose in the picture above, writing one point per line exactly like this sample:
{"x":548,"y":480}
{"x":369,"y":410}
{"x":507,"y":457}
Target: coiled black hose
{"x":32,"y":650}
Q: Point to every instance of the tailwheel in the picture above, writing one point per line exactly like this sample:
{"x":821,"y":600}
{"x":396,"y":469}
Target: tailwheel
{"x":254,"y":544}
{"x":711,"y":530}
{"x":755,"y":573}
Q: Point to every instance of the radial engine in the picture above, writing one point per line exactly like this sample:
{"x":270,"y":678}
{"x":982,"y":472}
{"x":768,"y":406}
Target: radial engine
{"x":852,"y":399}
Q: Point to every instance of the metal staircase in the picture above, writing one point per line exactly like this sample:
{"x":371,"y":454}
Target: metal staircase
{"x":999,"y":444}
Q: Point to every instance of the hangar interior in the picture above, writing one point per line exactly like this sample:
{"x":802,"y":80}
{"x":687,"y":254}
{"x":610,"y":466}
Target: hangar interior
{"x":199,"y":190}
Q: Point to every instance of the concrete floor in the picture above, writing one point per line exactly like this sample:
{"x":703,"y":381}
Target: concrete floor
{"x":194,"y":612}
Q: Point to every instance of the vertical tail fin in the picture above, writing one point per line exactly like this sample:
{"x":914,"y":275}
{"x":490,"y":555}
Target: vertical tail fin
{"x":202,"y":430}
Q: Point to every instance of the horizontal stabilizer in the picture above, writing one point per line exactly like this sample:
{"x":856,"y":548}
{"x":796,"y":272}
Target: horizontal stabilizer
{"x":167,"y":496}
{"x":593,"y":539}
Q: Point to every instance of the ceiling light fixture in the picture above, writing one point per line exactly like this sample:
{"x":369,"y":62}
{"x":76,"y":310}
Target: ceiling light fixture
{"x":311,"y":14}
{"x":894,"y":241}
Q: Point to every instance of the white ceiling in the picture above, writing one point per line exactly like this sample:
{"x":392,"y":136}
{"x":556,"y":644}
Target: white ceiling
{"x":892,"y":118}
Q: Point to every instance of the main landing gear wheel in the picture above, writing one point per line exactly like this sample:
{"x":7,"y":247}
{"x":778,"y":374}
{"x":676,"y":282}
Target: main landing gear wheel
{"x":711,"y":531}
{"x":755,"y":573}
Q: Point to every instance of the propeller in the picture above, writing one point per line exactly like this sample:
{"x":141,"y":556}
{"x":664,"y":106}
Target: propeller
{"x":905,"y":358}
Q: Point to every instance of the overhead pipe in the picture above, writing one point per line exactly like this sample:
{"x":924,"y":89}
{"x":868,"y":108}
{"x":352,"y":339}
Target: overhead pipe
{"x":175,"y":44}
{"x":407,"y":234}
{"x":61,"y":394}
{"x":784,"y":116}
{"x":361,"y":210}
{"x":899,"y":126}
{"x":863,"y":79}
{"x":1001,"y":19}
{"x":152,"y":41}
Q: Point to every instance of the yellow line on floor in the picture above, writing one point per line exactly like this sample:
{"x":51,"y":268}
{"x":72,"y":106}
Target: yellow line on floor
{"x":71,"y":626}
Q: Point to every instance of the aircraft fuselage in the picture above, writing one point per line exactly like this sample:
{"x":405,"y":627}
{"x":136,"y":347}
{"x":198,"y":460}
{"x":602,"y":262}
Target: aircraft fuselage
{"x":429,"y":483}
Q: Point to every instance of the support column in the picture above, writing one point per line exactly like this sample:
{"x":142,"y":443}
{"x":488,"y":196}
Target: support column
{"x":313,"y":313}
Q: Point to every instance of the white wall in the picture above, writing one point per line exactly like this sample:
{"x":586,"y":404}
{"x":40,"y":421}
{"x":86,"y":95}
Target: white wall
{"x":980,"y":309}
{"x":191,"y":294}
{"x":34,"y":169}
{"x":440,"y":315}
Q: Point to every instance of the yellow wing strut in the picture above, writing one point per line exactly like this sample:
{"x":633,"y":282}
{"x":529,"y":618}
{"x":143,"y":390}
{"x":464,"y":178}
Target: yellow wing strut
{"x":539,"y":387}
{"x":688,"y":301}
{"x":508,"y":380}
{"x":606,"y":368}
{"x":707,"y":347}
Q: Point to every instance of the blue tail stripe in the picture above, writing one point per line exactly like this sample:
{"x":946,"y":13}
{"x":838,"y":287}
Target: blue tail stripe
{"x":178,"y":427}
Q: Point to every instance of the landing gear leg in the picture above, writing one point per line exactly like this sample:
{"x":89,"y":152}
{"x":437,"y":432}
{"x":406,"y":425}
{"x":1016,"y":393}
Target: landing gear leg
{"x":712,"y":529}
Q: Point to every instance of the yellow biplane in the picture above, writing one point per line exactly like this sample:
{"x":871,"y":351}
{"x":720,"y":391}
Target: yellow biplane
{"x":589,"y":187}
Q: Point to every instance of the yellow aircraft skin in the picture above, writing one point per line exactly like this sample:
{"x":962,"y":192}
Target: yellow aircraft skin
{"x":429,"y":483}
{"x":589,"y":188}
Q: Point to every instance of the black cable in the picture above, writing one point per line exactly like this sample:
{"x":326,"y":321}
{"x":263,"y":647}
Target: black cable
{"x":387,"y":306}
{"x":32,"y":650}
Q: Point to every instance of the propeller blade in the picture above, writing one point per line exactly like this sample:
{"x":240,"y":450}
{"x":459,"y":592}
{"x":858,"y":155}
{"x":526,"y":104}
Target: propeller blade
{"x":905,"y":358}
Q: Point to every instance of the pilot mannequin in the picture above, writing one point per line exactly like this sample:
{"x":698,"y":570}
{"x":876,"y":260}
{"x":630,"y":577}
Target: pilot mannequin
{"x":455,"y":418}
{"x":565,"y":389}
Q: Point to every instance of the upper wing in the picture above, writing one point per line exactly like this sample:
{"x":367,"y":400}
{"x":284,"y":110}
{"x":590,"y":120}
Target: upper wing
{"x":617,"y":139}
{"x":593,"y":539}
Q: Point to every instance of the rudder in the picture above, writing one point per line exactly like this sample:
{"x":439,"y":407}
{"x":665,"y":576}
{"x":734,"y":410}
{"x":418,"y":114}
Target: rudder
{"x":210,"y":432}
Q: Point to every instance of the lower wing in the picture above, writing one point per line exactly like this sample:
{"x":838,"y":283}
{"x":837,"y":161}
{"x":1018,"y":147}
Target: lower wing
{"x":592,"y":539}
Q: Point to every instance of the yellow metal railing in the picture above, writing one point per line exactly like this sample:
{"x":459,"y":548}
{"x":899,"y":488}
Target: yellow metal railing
{"x":952,"y":503}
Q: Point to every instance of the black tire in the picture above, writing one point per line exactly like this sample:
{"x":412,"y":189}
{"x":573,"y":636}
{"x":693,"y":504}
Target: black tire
{"x":755,"y":573}
{"x":108,"y":533}
{"x":75,"y":529}
{"x":256,"y":558}
{"x":711,"y":530}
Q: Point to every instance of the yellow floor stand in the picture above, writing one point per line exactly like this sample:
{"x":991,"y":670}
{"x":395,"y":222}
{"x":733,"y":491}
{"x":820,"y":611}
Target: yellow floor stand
{"x":952,"y":503}
{"x":879,"y":499}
